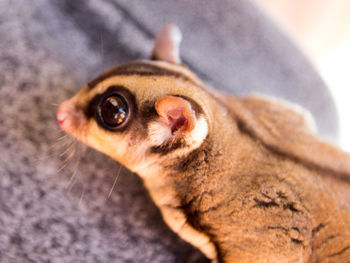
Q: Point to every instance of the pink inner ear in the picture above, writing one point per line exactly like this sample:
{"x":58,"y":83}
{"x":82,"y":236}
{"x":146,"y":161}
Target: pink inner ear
{"x":177,"y":120}
{"x":176,"y":113}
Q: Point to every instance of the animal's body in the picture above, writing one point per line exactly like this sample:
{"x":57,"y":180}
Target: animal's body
{"x":242,"y":179}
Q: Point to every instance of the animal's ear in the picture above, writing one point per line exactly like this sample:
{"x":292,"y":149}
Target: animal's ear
{"x":167,"y":44}
{"x":177,"y":114}
{"x":178,"y":119}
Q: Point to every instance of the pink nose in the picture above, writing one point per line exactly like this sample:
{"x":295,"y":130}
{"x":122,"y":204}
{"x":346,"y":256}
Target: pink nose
{"x":61,"y":115}
{"x":69,"y":117}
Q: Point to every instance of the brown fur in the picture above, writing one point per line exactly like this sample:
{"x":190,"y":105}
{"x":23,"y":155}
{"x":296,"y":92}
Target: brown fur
{"x":259,"y":188}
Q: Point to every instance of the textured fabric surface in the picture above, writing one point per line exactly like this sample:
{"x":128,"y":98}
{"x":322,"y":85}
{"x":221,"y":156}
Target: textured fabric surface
{"x":48,"y":51}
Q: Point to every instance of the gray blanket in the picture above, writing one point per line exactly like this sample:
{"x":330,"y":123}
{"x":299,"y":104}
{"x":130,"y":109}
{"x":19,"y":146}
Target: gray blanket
{"x":48,"y":50}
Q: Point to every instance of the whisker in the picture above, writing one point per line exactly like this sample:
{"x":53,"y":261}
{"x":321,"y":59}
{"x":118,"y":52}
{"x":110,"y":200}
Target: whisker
{"x":71,"y":182}
{"x":70,"y":155}
{"x":56,"y":144}
{"x":75,"y":169}
{"x":62,"y":167}
{"x":62,"y":137}
{"x":68,"y":149}
{"x":58,"y":141}
{"x":66,"y":161}
{"x":47,"y":155}
{"x":115,"y":181}
{"x":81,"y":196}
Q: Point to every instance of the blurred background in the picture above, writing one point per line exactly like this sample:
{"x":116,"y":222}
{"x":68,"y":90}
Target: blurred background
{"x":321,"y":28}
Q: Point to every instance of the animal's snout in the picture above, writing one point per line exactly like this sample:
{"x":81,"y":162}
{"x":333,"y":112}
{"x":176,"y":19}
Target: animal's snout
{"x":69,"y":117}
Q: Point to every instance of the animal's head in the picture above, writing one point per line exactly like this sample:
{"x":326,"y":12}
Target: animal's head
{"x":140,"y":111}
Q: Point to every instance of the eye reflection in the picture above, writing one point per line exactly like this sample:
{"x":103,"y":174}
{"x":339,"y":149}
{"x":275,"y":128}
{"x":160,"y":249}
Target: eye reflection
{"x":113,"y":111}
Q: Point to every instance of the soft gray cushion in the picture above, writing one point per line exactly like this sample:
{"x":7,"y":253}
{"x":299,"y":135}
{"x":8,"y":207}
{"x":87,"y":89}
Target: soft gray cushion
{"x":49,"y":50}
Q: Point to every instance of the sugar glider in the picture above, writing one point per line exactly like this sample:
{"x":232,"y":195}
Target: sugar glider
{"x":244,"y":179}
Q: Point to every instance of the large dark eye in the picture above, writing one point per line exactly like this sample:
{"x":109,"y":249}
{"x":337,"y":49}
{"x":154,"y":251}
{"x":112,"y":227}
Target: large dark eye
{"x":113,"y":111}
